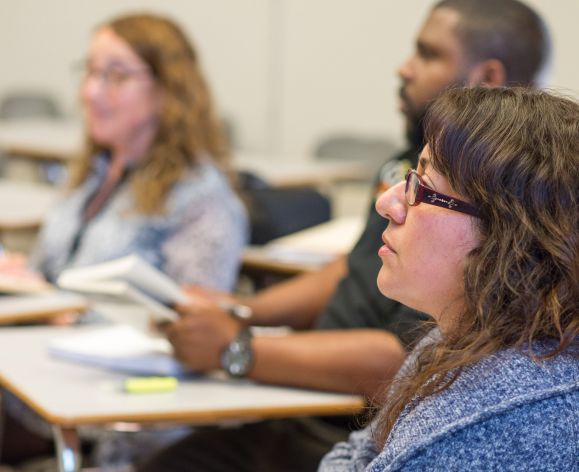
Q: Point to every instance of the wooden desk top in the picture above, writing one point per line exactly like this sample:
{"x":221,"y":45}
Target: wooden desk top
{"x":24,"y":204}
{"x":58,"y":140}
{"x":305,"y":250}
{"x":32,"y":307}
{"x":71,"y":395}
{"x":300,"y":171}
{"x":61,"y":140}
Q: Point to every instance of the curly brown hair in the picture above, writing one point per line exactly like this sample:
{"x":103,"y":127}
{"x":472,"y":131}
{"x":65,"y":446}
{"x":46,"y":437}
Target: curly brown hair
{"x":188,"y":123}
{"x":514,"y":153}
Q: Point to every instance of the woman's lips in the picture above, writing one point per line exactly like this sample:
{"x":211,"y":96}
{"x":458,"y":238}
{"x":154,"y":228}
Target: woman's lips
{"x":386,"y":248}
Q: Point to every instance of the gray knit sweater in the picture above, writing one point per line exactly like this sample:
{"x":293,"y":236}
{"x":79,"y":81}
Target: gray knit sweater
{"x":504,"y":413}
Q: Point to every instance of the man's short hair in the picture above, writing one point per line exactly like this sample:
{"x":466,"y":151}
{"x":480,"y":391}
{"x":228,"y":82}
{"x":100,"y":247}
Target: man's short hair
{"x":507,"y":30}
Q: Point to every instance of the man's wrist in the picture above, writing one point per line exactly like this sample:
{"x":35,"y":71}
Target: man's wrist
{"x":237,"y":357}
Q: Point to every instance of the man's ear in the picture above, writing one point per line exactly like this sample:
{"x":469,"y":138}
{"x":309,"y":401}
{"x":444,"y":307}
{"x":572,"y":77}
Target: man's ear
{"x":489,"y":73}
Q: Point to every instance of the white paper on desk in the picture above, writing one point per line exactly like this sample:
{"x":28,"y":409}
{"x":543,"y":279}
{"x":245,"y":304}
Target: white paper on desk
{"x":297,"y":256}
{"x":129,"y":277}
{"x":337,"y":236}
{"x":318,"y":244}
{"x":121,"y":348}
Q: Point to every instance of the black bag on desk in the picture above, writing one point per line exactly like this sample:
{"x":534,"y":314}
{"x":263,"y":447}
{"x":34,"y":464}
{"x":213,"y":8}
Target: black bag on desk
{"x":276,"y":212}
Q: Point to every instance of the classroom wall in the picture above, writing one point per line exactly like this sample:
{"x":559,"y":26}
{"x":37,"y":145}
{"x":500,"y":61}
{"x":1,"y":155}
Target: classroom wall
{"x":286,"y":72}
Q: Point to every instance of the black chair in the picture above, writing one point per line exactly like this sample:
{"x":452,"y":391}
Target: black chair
{"x":276,"y":212}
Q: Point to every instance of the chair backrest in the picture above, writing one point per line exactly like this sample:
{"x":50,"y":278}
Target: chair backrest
{"x":29,"y":105}
{"x":276,"y":212}
{"x":374,"y":151}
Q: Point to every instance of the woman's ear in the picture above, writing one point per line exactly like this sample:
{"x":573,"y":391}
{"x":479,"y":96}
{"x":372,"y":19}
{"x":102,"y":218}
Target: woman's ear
{"x":489,"y":73}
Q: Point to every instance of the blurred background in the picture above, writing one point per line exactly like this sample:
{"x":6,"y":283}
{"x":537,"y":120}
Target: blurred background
{"x":307,"y":90}
{"x":286,"y":73}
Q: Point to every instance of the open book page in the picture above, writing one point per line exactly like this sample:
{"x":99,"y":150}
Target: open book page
{"x":22,"y":308}
{"x":118,"y":347}
{"x":120,"y":289}
{"x":129,"y":277}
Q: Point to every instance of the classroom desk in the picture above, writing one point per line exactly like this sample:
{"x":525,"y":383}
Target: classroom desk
{"x":305,"y":250}
{"x":49,"y":140}
{"x":61,"y":140}
{"x":301,"y":171}
{"x":24,"y":204}
{"x":68,"y":395}
{"x":23,"y":307}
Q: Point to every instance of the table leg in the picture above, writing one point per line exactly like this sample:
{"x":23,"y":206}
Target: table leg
{"x":67,"y":449}
{"x":2,"y":422}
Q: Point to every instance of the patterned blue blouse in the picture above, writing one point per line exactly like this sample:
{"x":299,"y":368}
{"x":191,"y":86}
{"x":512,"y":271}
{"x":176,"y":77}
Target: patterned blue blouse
{"x":197,"y":240}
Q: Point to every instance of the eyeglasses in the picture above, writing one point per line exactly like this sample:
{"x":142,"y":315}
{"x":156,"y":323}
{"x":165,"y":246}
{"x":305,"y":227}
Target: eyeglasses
{"x":112,"y":77}
{"x":416,"y":192}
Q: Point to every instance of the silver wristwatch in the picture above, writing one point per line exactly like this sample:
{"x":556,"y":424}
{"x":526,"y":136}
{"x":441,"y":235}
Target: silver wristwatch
{"x":237,"y":357}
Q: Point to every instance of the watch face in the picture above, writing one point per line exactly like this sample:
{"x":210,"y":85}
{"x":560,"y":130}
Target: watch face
{"x":237,"y":358}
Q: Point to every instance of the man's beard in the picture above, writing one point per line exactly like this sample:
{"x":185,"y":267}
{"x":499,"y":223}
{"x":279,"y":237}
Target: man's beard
{"x":415,"y":130}
{"x":414,"y":121}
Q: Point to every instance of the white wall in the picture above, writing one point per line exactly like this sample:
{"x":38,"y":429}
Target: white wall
{"x":286,"y":71}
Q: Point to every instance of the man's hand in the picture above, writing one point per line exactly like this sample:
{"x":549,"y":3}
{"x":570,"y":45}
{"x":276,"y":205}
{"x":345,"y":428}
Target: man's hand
{"x":201,"y":334}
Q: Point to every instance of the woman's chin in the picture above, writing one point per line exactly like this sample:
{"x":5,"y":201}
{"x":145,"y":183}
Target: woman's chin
{"x":386,"y":283}
{"x":391,"y":286}
{"x":100,"y":135}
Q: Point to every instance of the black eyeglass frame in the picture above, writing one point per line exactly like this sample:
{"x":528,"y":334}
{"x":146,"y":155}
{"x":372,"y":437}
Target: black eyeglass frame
{"x":424,"y":194}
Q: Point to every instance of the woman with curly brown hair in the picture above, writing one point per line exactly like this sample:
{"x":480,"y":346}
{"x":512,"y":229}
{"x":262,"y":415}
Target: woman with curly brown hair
{"x":154,"y":177}
{"x":483,"y":236}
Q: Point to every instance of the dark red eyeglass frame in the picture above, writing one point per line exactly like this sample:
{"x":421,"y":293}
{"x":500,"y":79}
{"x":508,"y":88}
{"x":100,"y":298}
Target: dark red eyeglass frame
{"x":425,"y":194}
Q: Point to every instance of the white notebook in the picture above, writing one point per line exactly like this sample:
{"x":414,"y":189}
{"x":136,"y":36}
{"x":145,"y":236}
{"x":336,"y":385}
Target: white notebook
{"x":129,"y":277}
{"x":119,"y":347}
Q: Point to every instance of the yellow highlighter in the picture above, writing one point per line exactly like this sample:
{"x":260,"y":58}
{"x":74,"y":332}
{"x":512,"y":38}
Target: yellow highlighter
{"x":150,"y":384}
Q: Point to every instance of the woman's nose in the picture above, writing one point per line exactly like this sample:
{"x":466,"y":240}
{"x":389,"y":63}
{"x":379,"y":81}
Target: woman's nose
{"x":392,"y":204}
{"x":90,"y":89}
{"x":405,"y":69}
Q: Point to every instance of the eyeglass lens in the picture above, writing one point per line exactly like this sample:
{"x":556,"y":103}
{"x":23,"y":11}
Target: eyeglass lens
{"x":412,"y":185}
